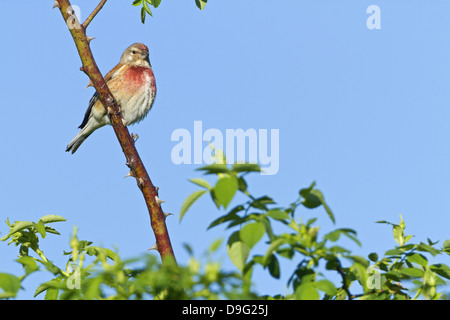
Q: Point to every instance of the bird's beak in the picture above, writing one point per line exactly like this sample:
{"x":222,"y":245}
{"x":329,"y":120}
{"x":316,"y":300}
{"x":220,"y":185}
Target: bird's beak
{"x":144,"y":55}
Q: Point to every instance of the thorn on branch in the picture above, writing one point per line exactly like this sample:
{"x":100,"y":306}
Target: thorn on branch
{"x":166,"y":214}
{"x":154,"y":247}
{"x":130,"y":174}
{"x":85,"y":70}
{"x":89,"y":39}
{"x":158,"y":201}
{"x":56,"y":5}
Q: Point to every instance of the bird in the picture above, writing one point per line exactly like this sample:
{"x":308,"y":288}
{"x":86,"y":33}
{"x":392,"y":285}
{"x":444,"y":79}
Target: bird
{"x":132,"y":83}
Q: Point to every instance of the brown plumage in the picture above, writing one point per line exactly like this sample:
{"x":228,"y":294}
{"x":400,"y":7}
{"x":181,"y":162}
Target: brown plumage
{"x":132,"y":83}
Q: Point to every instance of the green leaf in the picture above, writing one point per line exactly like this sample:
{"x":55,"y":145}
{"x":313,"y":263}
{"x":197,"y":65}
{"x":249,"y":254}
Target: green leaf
{"x":274,"y":267}
{"x":274,"y":245}
{"x":427,"y":248}
{"x":267,"y":225}
{"x":246,"y":167}
{"x":101,"y":252}
{"x":312,"y":198}
{"x":143,"y":15}
{"x":412,"y":272}
{"x":333,"y":263}
{"x":28,"y":263}
{"x":93,"y":289}
{"x":188,"y":248}
{"x":51,"y":230}
{"x":40,"y":227}
{"x":326,"y":286}
{"x":417,"y":258}
{"x":225,"y":189}
{"x":336,"y":234}
{"x":373,"y":257}
{"x":441,"y":269}
{"x":398,"y":234}
{"x":52,"y":294}
{"x":242,"y":185}
{"x":359,"y":271}
{"x":215,"y":168}
{"x":305,"y":192}
{"x":384,"y":221}
{"x":238,"y":251}
{"x":278,"y":214}
{"x":359,"y":260}
{"x":260,"y":203}
{"x":393,"y":275}
{"x":10,"y":284}
{"x":137,"y":2}
{"x":215,"y":245}
{"x":190,"y":201}
{"x":52,"y":284}
{"x":18,"y":226}
{"x":232,"y":215}
{"x":446,"y":247}
{"x":306,"y":291}
{"x":154,"y":3}
{"x":333,"y":235}
{"x":52,"y":218}
{"x":201,"y":4}
{"x":251,"y":233}
{"x":147,"y":8}
{"x":393,"y":252}
{"x":201,"y":182}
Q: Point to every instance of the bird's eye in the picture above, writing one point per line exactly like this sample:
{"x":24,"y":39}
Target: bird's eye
{"x":134,"y":52}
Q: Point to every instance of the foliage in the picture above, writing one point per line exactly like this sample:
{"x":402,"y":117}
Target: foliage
{"x":254,"y":222}
{"x":91,"y":272}
{"x":155,"y":3}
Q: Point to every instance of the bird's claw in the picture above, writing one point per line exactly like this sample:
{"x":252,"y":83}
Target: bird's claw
{"x":135,"y":137}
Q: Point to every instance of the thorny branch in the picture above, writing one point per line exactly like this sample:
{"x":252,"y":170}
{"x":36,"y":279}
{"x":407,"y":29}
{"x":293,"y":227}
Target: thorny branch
{"x":134,"y":162}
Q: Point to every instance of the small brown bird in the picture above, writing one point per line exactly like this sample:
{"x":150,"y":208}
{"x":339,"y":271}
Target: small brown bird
{"x":132,"y":83}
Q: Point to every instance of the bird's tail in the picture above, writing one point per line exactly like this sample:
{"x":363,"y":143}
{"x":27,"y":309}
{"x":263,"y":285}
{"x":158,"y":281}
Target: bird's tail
{"x":78,"y":140}
{"x":85,"y":132}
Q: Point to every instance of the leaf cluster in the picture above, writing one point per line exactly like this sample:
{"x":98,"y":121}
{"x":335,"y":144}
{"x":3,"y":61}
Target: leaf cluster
{"x":255,"y":240}
{"x":145,"y":9}
{"x":262,"y":234}
{"x":93,"y":272}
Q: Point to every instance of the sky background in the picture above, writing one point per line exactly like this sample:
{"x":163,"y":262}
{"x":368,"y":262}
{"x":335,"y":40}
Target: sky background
{"x":364,"y":113}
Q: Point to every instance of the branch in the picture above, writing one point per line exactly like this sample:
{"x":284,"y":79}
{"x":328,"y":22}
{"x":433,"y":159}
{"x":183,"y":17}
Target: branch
{"x":134,"y":162}
{"x":94,"y":13}
{"x":344,"y":281}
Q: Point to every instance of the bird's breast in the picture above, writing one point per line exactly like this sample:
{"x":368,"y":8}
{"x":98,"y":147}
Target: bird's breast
{"x":140,"y":88}
{"x":139,"y":78}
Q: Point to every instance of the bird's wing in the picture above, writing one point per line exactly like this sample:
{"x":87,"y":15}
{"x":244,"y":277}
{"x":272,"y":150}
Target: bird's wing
{"x":110,"y":74}
{"x":94,"y":98}
{"x":88,"y":111}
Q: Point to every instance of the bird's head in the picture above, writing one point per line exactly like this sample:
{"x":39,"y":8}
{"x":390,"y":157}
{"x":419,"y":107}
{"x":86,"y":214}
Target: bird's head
{"x":136,"y":55}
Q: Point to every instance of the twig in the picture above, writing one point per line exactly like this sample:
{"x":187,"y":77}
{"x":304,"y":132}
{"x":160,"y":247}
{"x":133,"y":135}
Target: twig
{"x":344,"y":283}
{"x":94,"y":13}
{"x":134,"y":161}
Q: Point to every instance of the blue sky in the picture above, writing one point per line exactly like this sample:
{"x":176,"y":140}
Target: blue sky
{"x":362,"y":112}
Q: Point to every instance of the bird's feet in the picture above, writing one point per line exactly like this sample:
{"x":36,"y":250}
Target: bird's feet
{"x":135,"y":137}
